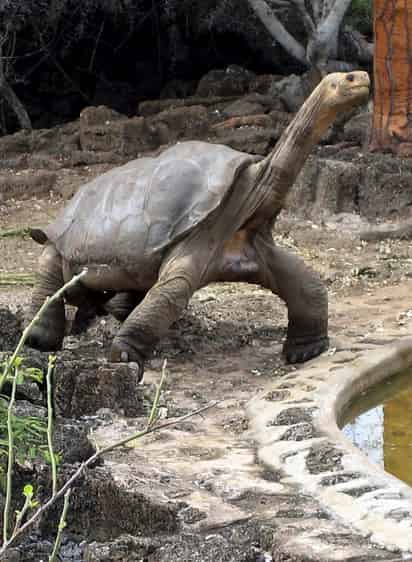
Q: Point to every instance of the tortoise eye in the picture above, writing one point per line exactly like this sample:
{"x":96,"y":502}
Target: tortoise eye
{"x":350,"y":78}
{"x":333,"y":85}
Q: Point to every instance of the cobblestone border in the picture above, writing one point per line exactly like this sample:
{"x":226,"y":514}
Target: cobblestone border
{"x":296,"y":426}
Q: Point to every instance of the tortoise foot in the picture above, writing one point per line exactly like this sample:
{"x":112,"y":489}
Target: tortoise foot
{"x":45,"y":338}
{"x":305,"y":349}
{"x":123,"y":352}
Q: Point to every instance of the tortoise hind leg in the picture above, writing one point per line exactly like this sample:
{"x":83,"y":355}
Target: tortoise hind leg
{"x":304,"y":294}
{"x":89,"y":303}
{"x":48,"y":333}
{"x":123,"y":304}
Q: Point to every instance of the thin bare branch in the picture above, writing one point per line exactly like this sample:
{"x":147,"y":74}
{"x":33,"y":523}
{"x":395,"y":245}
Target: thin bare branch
{"x":326,"y":8}
{"x":317,"y":10}
{"x":59,"y":66}
{"x":275,"y":4}
{"x":91,"y":63}
{"x":7,"y":92}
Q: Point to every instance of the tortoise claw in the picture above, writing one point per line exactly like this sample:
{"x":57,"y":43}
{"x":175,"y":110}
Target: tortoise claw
{"x":121,"y":352}
{"x":299,"y":352}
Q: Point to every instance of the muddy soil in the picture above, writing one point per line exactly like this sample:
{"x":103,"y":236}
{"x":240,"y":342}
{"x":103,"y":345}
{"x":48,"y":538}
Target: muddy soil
{"x":227,"y":346}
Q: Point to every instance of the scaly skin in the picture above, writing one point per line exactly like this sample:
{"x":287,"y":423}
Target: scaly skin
{"x":304,"y":294}
{"x":48,"y":333}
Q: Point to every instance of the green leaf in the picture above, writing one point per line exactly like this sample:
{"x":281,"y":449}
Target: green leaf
{"x":47,"y":458}
{"x":28,"y":491}
{"x":17,"y":362}
{"x":34,"y":374}
{"x":20,"y":378}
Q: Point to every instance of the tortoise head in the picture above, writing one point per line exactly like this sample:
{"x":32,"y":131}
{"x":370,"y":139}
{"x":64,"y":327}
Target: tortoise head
{"x":342,"y":90}
{"x":336,"y":93}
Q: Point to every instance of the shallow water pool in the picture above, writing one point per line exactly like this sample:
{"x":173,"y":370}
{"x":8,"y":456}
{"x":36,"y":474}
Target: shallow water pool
{"x":379,"y":422}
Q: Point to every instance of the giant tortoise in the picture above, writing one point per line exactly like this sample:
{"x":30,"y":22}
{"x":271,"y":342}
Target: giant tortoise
{"x":155,"y":230}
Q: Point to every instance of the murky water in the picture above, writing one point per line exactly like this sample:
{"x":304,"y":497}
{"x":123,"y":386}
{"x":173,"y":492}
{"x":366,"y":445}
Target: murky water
{"x":380,"y":424}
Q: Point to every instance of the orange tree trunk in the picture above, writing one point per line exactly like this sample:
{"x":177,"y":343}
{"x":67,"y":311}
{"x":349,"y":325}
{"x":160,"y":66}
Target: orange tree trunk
{"x":392,"y":114}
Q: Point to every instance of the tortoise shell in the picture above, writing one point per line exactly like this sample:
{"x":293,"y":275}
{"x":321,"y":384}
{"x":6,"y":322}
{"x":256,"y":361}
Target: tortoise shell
{"x":145,"y":206}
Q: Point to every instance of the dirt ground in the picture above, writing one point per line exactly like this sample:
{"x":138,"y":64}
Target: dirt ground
{"x":227,"y":346}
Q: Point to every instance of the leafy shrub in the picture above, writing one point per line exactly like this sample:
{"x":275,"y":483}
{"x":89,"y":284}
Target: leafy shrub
{"x":29,"y":431}
{"x":360,"y":16}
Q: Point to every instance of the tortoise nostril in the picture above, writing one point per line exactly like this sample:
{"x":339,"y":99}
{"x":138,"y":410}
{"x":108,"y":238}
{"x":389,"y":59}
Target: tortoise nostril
{"x":350,"y":78}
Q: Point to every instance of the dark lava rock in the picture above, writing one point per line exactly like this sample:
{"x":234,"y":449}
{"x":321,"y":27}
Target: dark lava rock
{"x":102,"y":508}
{"x":244,"y":543}
{"x":71,"y":441}
{"x":35,"y":549}
{"x":25,"y":409}
{"x":124,"y":549}
{"x":10,"y":329}
{"x":234,"y":80}
{"x":300,"y":432}
{"x":84,"y":387}
{"x":292,"y":416}
{"x":324,"y":458}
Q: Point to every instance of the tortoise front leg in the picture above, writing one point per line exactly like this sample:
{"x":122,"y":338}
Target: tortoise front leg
{"x":151,"y":319}
{"x":48,"y":333}
{"x":304,"y":294}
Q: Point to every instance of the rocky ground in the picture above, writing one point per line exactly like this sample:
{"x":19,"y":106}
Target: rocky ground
{"x":195,"y":492}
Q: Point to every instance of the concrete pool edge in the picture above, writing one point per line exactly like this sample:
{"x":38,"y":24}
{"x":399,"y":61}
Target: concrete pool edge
{"x":295,"y":424}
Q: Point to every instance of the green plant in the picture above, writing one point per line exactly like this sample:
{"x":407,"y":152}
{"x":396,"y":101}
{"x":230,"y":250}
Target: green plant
{"x":360,"y":16}
{"x":29,"y":432}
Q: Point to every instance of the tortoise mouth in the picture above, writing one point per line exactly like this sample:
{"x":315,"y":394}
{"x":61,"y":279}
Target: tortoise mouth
{"x":361,"y":88}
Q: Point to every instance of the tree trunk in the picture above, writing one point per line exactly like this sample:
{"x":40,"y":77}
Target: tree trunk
{"x":322,"y":27}
{"x":15,"y":104}
{"x":7,"y":93}
{"x":391,"y":127}
{"x":325,"y":39}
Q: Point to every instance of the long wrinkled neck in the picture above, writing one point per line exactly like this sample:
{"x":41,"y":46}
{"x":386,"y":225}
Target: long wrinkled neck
{"x":280,"y":168}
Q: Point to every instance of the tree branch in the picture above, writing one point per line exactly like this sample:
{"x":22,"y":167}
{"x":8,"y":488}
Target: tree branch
{"x":306,"y":17}
{"x":324,"y":43}
{"x":7,"y":92}
{"x":317,"y":10}
{"x":277,"y":31}
{"x":59,"y":66}
{"x":332,"y":22}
